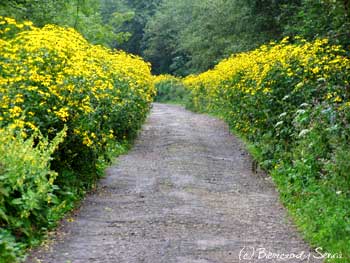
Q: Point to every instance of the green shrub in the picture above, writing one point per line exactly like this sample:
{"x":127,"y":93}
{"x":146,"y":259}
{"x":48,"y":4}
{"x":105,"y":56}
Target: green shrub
{"x":10,"y":250}
{"x":170,"y":89}
{"x":28,"y":204}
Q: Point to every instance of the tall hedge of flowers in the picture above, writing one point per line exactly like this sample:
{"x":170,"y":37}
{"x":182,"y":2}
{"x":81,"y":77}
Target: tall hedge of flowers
{"x":291,"y":101}
{"x":52,"y":81}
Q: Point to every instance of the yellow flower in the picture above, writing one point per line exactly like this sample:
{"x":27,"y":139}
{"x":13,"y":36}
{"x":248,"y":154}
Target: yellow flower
{"x":15,"y":112}
{"x":337,"y":99}
{"x":87,"y":141}
{"x":316,"y":70}
{"x":62,"y":113}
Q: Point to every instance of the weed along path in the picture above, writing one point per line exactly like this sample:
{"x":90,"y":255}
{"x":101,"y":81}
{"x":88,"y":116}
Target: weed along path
{"x":185,"y":193}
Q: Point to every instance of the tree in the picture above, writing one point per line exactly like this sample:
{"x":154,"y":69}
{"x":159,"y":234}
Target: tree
{"x":327,"y":18}
{"x":201,"y":32}
{"x":92,"y":18}
{"x":142,"y":10}
{"x":162,"y":36}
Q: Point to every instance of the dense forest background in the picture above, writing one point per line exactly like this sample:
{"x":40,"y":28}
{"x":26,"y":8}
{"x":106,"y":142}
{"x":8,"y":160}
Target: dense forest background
{"x":189,"y":36}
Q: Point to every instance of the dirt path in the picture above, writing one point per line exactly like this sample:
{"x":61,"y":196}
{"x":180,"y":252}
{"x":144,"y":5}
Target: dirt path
{"x":185,"y":193}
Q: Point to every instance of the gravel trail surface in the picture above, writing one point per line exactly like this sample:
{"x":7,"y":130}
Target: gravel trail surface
{"x":185,"y":193}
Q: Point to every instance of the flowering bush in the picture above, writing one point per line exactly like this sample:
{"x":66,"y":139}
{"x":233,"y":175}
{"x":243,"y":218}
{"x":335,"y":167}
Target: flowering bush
{"x":291,"y":100}
{"x":51,"y":78}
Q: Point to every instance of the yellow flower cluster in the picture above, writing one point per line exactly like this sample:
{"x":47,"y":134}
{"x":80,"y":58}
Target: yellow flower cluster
{"x":295,"y":69}
{"x":315,"y":60}
{"x":52,"y":76}
{"x":9,"y":26}
{"x":164,"y":77}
